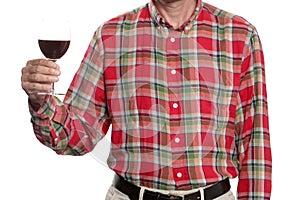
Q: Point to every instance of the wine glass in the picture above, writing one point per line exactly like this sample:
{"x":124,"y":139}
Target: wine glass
{"x":54,"y":41}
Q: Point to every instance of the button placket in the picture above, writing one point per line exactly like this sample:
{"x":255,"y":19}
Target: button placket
{"x":173,"y":42}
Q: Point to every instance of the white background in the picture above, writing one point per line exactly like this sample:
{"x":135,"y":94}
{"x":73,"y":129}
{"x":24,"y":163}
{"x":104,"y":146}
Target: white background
{"x":29,"y":170}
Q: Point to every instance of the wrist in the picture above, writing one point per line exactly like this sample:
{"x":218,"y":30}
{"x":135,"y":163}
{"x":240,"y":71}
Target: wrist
{"x":36,"y":101}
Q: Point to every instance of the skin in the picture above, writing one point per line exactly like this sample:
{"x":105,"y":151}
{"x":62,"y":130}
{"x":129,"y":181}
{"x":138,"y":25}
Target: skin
{"x":176,"y":12}
{"x":38,"y":75}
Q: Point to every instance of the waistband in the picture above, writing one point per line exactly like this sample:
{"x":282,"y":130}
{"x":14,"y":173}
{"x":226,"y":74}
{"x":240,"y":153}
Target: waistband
{"x":133,"y":192}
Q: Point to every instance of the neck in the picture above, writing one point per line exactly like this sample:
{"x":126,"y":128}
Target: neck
{"x":176,"y":12}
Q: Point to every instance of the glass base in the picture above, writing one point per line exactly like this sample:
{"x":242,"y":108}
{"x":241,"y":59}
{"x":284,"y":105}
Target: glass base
{"x":50,"y":93}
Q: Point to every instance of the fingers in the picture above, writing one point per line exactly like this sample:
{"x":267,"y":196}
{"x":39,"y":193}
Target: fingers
{"x":40,"y":78}
{"x":32,"y":88}
{"x":42,"y":62}
{"x":42,"y":66}
{"x":39,"y":75}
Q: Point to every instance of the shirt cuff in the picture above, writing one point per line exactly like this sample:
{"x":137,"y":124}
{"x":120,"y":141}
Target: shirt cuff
{"x":46,"y":110}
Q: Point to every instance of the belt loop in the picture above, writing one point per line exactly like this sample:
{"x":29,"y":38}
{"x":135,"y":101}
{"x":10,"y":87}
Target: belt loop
{"x":142,"y":190}
{"x":202,"y":193}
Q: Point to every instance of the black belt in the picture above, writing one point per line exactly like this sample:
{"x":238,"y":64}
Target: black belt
{"x":133,"y":191}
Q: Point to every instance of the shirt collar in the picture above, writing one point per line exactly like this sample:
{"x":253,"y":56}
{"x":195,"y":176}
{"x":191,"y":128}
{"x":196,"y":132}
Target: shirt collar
{"x":161,"y":21}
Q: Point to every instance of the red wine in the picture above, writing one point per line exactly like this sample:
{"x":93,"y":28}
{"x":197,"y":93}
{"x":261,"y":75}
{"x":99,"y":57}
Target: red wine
{"x":54,"y":49}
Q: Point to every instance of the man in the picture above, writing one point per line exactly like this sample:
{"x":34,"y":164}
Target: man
{"x":183,"y":85}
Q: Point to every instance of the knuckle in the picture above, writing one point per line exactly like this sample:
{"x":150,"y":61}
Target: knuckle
{"x":23,"y":70}
{"x":28,"y":63}
{"x":50,"y":71}
{"x":33,"y":69}
{"x":23,"y":85}
{"x":40,"y":62}
{"x":36,"y":69}
{"x":34,"y":77}
{"x":24,"y":77}
{"x":31,"y":62}
{"x":46,"y":87}
{"x":34,"y":86}
{"x":43,"y":62}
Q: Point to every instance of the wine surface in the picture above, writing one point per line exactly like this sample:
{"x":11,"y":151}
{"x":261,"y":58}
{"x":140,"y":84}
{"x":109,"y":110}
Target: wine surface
{"x":54,"y":49}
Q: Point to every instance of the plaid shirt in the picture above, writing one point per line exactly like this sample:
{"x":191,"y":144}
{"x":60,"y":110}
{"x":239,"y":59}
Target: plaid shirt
{"x":188,"y":107}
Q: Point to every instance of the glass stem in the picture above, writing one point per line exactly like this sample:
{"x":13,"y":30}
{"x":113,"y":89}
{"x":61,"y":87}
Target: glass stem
{"x":53,"y":60}
{"x":53,"y":91}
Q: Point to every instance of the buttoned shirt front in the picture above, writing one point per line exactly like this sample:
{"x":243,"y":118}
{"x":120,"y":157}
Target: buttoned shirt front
{"x":187,"y":107}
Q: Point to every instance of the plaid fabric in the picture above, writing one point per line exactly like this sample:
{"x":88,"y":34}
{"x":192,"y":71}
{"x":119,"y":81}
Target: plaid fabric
{"x":188,"y":107}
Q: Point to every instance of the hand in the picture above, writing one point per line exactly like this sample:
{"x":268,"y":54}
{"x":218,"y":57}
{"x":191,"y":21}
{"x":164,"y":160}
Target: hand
{"x":38,"y":76}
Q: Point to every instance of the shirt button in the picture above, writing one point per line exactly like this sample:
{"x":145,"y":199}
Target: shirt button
{"x":175,"y":105}
{"x":179,"y":174}
{"x":177,"y":140}
{"x":186,"y":30}
{"x":173,"y":72}
{"x":172,"y":39}
{"x":55,"y":140}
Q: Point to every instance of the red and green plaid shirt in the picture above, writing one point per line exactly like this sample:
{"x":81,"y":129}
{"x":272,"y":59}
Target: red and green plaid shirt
{"x":188,"y":107}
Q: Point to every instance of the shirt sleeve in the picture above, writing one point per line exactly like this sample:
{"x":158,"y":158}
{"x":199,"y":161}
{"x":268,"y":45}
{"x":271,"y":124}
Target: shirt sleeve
{"x":75,"y":125}
{"x":253,"y":139}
